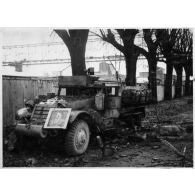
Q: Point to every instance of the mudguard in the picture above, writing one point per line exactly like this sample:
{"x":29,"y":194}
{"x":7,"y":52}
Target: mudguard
{"x":76,"y":114}
{"x":91,"y":116}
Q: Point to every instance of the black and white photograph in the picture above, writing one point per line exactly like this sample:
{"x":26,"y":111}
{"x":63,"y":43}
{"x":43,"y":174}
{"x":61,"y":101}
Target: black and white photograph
{"x":97,"y":97}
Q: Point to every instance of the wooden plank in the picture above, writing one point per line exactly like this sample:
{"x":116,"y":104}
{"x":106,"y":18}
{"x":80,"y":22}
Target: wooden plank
{"x":10,"y":102}
{"x":16,"y":88}
{"x":25,"y":86}
{"x":14,"y":102}
{"x":5,"y":103}
{"x":73,"y":81}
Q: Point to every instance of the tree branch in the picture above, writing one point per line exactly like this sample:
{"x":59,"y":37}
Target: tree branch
{"x":141,"y":51}
{"x":96,"y":34}
{"x":151,"y":44}
{"x":110,"y":38}
{"x":63,"y":34}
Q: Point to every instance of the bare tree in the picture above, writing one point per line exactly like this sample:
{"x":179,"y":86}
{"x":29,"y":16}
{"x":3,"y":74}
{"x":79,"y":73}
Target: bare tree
{"x":75,"y":41}
{"x":166,"y":40}
{"x":132,"y":51}
{"x":183,"y":53}
{"x":128,"y":48}
{"x":151,"y":56}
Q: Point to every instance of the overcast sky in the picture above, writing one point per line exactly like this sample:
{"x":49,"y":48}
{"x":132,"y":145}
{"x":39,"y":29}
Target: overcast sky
{"x":23,"y":36}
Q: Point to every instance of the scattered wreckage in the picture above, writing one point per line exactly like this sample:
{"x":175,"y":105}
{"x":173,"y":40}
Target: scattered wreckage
{"x":84,"y":106}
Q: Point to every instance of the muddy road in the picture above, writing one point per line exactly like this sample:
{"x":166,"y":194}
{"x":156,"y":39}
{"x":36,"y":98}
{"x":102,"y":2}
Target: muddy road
{"x":120,"y":149}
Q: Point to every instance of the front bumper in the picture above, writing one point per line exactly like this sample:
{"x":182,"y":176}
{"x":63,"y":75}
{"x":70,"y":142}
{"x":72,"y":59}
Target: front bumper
{"x":31,"y":130}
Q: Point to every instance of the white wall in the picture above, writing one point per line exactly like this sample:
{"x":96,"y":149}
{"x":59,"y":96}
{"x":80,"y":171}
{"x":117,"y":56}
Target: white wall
{"x":173,"y":91}
{"x":160,"y":93}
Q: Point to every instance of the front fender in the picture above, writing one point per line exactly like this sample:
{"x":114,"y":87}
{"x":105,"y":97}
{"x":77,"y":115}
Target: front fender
{"x":92,"y":117}
{"x":78,"y":114}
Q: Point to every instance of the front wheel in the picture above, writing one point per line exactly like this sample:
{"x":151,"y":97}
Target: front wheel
{"x":77,"y":138}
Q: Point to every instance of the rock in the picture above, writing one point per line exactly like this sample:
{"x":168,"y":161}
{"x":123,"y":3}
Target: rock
{"x":66,"y":160}
{"x":5,"y":141}
{"x":114,"y":148}
{"x":136,"y":146}
{"x":169,"y":130}
{"x":116,"y":157}
{"x":123,"y":146}
{"x":108,"y":165}
{"x":68,"y":164}
{"x":108,"y":152}
{"x":93,"y":155}
{"x":114,"y":141}
{"x":107,"y":142}
{"x":85,"y":161}
{"x":155,"y":159}
{"x":31,"y":161}
{"x":122,"y":155}
{"x":100,"y":141}
{"x":156,"y":147}
{"x":123,"y":141}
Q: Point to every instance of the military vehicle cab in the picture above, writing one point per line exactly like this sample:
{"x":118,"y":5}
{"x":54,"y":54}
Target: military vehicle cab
{"x":83,"y":106}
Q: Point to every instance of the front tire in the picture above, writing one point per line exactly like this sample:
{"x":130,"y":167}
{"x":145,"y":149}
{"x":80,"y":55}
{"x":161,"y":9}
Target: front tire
{"x":77,"y":138}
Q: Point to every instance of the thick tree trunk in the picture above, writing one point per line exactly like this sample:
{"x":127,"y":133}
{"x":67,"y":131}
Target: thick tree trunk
{"x":188,"y":67}
{"x":152,"y":63}
{"x":168,"y":82}
{"x":191,"y":87}
{"x":75,"y":41}
{"x":77,"y":55}
{"x":187,"y":84}
{"x":131,"y":62}
{"x":178,"y":86}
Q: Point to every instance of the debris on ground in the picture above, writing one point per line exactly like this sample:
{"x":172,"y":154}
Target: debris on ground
{"x":169,"y":130}
{"x":171,"y":145}
{"x":31,"y":162}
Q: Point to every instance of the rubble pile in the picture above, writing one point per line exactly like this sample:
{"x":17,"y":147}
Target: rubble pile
{"x":165,"y":112}
{"x":136,"y":95}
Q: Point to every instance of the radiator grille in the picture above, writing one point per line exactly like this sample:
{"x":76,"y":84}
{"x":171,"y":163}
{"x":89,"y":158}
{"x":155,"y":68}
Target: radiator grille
{"x":40,"y":113}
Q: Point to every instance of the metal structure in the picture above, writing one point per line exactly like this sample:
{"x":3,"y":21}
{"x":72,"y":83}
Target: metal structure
{"x":50,"y":52}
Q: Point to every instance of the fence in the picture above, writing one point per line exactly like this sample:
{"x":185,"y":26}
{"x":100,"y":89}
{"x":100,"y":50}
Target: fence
{"x":15,"y":89}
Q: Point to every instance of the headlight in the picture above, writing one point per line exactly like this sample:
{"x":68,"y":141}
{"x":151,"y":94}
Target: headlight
{"x":29,"y":103}
{"x":23,"y":113}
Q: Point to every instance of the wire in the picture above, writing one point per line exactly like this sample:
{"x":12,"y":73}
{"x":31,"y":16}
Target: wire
{"x":65,"y":61}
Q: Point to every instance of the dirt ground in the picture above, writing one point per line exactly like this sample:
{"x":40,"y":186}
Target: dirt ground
{"x":121,"y":149}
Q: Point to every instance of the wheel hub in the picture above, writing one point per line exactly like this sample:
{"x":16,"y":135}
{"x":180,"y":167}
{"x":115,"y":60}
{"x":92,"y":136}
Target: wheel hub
{"x":81,"y":138}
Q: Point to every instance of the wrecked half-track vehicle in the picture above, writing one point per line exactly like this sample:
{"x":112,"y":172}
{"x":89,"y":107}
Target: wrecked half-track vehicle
{"x":83,"y":106}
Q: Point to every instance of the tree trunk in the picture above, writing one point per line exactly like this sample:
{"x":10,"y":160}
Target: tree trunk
{"x":191,"y":87}
{"x":188,"y":67}
{"x":168,"y":82}
{"x":75,"y":41}
{"x":152,"y":63}
{"x":77,"y":55}
{"x":187,"y":84}
{"x":131,"y":62}
{"x":178,"y":86}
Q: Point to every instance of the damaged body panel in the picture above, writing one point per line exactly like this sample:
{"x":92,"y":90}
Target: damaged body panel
{"x":87,"y":107}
